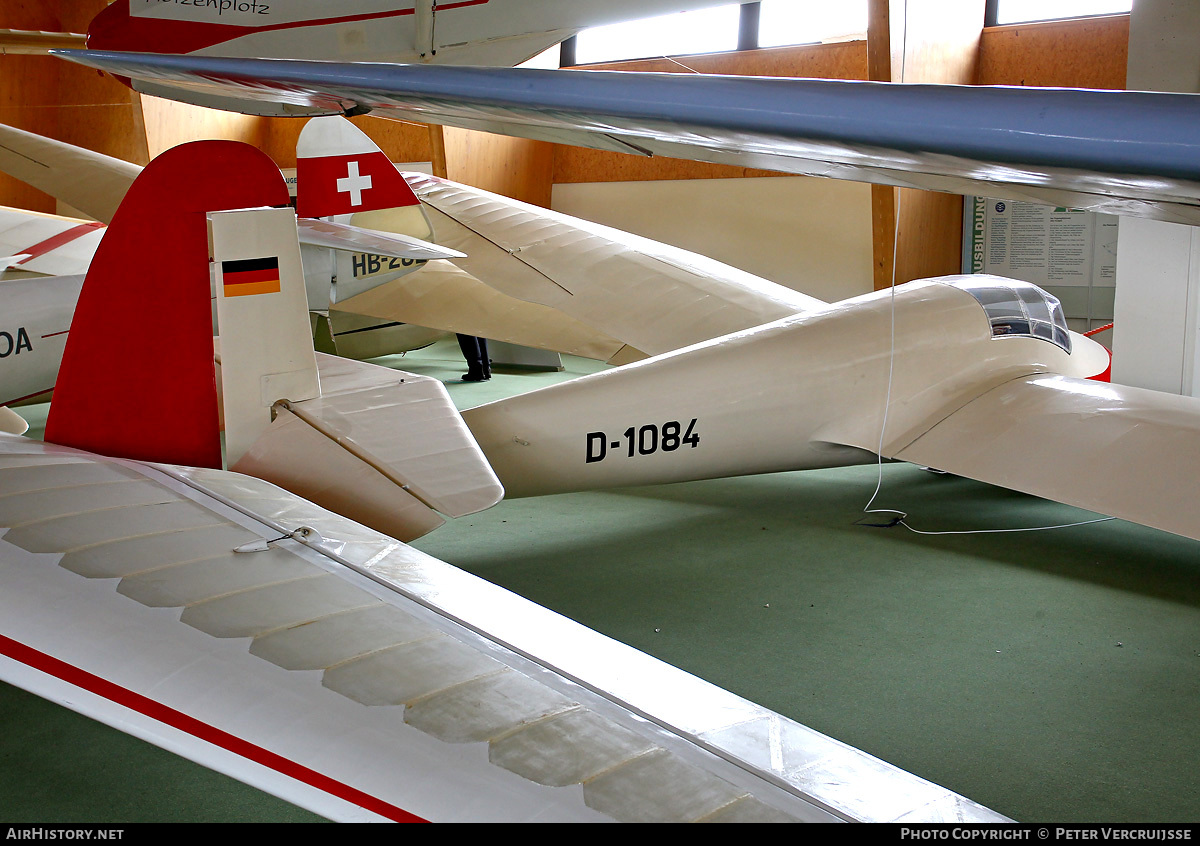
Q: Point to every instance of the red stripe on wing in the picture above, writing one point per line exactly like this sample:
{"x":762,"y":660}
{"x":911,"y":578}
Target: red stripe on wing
{"x":196,"y":728}
{"x":56,"y":241}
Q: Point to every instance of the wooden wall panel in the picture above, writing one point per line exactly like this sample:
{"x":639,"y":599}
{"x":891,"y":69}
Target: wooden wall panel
{"x":841,"y":60}
{"x":400,"y":140}
{"x":169,"y":124}
{"x":51,"y":97}
{"x":936,"y":42}
{"x":99,"y":113}
{"x":28,"y":93}
{"x":883,"y":197}
{"x":28,"y":84}
{"x":515,"y":167}
{"x":1090,"y":53}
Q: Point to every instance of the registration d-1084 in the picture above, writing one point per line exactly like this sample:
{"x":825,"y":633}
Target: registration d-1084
{"x":642,"y":440}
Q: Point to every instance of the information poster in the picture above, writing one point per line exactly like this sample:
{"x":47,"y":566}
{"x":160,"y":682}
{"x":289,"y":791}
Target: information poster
{"x":1070,"y":253}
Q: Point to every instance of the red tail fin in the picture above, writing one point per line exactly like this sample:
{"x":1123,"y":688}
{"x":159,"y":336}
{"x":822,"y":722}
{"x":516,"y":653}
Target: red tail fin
{"x":137,"y":374}
{"x":339,"y":170}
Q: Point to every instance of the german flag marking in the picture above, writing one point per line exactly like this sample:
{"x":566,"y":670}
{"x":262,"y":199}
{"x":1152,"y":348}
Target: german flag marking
{"x":250,"y":276}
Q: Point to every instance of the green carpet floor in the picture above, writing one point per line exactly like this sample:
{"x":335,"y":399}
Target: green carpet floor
{"x":1051,"y":676}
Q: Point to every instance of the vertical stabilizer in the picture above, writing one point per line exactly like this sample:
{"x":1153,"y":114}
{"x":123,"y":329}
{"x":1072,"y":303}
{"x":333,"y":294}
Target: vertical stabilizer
{"x":137,"y":377}
{"x":339,"y":170}
{"x":266,"y":349}
{"x":341,"y":173}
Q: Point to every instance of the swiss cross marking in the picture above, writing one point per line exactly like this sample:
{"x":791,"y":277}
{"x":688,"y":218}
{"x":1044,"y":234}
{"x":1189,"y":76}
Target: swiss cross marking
{"x":354,"y":183}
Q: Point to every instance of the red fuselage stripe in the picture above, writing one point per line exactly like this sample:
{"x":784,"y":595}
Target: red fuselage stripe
{"x":181,"y":721}
{"x":119,"y":30}
{"x":56,"y":241}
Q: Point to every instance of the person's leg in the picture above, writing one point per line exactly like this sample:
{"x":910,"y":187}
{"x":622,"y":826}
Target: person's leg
{"x":484,"y":359}
{"x":476,"y":358}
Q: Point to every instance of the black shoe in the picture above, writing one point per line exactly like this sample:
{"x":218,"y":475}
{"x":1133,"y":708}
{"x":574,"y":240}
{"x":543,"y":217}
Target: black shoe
{"x":475,"y":377}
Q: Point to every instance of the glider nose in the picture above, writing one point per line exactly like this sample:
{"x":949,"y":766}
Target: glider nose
{"x":1093,"y":358}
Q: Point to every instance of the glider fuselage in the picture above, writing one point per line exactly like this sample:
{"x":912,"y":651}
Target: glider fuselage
{"x":804,"y":392}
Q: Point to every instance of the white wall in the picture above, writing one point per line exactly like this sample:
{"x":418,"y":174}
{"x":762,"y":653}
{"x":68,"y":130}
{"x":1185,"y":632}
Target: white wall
{"x":813,"y":235}
{"x":1158,"y":264}
{"x":1154,"y":318}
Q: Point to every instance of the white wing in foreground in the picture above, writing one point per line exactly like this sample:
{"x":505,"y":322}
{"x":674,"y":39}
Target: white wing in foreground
{"x":355,"y":676}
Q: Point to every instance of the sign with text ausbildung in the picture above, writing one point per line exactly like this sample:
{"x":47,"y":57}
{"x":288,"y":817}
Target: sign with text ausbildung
{"x":1069,"y":252}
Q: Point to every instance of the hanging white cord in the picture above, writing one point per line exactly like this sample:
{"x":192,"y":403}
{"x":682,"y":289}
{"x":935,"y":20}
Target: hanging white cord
{"x":887,"y":402}
{"x":681,"y":64}
{"x":900,"y":516}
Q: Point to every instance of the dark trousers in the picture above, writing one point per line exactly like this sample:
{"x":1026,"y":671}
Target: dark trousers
{"x":474,"y":350}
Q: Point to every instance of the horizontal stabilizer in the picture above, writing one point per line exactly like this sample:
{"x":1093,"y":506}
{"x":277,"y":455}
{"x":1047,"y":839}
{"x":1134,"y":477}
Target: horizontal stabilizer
{"x":12,"y":422}
{"x":355,"y":239}
{"x":382,"y":447}
{"x":1076,"y":441}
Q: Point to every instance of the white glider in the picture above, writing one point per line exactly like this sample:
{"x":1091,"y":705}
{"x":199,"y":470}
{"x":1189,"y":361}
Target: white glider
{"x":927,"y":371}
{"x":465,"y":32}
{"x":500,"y":269}
{"x":252,"y":630}
{"x":49,"y":255}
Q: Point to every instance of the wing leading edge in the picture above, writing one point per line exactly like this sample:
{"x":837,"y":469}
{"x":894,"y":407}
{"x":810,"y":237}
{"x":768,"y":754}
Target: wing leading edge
{"x":1119,"y":152}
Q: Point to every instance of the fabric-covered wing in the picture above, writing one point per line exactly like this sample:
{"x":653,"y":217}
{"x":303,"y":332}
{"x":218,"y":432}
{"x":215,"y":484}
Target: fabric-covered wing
{"x":652,"y":297}
{"x":1118,"y":152}
{"x":217,"y":616}
{"x":444,"y":297}
{"x":34,"y":244}
{"x":91,"y":182}
{"x":535,"y":277}
{"x":1076,"y":441}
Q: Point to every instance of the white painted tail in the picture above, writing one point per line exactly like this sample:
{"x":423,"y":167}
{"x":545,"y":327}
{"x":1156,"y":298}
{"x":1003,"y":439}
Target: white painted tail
{"x":266,"y":352}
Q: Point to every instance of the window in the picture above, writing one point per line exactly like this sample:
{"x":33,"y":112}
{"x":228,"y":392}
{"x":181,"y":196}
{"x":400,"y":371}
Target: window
{"x":1021,"y":11}
{"x":770,"y":23}
{"x":703,"y":31}
{"x":810,"y":21}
